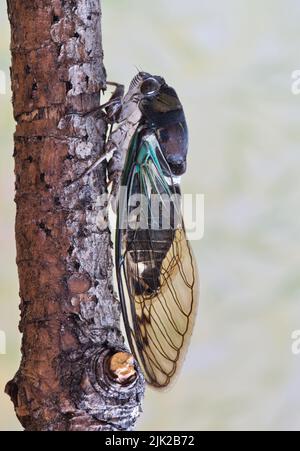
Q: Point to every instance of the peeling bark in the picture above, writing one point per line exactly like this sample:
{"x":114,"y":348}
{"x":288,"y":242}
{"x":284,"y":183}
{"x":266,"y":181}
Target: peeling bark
{"x":68,"y":377}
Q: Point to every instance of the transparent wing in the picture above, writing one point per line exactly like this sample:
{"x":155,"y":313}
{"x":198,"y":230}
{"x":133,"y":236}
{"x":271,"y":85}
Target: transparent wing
{"x":156,"y":270}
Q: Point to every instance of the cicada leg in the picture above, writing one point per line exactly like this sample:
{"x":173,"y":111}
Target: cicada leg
{"x":112,"y":109}
{"x":114,"y":106}
{"x":118,"y":143}
{"x":115,"y":168}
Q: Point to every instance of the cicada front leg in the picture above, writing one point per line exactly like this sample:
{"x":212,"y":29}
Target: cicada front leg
{"x":112,"y":109}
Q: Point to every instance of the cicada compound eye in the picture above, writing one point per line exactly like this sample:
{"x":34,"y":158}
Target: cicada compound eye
{"x":150,"y":86}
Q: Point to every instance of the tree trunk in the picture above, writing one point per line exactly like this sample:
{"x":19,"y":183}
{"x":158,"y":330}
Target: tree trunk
{"x":74,"y":374}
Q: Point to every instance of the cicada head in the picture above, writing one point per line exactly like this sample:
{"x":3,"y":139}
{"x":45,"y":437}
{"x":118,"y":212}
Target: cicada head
{"x":162,"y":111}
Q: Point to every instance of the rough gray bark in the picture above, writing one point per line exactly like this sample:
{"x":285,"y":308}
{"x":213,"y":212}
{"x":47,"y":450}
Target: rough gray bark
{"x":72,"y":376}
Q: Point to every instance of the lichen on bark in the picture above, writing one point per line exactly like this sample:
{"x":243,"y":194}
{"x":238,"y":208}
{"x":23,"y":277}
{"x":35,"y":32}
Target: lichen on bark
{"x":69,"y":312}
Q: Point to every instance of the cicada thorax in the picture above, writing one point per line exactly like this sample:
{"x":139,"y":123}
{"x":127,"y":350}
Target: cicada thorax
{"x":165,"y":114}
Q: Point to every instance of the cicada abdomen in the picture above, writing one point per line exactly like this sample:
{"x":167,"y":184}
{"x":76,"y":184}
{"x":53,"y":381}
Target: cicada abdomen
{"x":156,"y":271}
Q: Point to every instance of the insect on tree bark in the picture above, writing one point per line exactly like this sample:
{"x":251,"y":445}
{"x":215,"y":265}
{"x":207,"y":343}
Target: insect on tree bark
{"x":75,"y":373}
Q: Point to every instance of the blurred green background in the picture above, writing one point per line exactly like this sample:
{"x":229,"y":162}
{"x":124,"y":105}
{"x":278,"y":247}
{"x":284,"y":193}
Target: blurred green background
{"x":231,"y":63}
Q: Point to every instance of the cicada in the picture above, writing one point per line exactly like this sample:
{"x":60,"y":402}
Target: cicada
{"x":155,"y":268}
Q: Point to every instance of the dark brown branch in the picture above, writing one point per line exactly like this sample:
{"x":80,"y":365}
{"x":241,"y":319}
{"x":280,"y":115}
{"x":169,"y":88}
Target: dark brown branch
{"x":68,"y":378}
